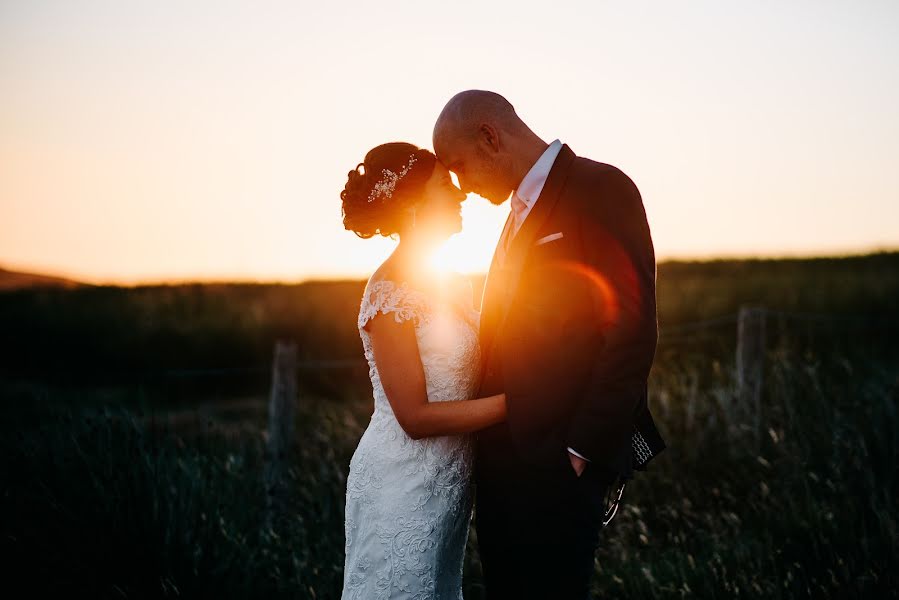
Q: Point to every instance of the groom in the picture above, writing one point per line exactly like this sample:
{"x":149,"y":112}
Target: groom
{"x":568,"y":332}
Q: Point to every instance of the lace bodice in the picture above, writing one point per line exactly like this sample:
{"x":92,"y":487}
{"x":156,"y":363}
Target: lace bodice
{"x":409,"y":501}
{"x":445,"y":328}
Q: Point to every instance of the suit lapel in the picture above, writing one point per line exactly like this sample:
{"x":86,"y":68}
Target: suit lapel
{"x":522,"y":242}
{"x":491,"y":287}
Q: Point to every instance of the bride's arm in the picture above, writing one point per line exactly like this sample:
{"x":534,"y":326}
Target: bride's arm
{"x":402,"y":376}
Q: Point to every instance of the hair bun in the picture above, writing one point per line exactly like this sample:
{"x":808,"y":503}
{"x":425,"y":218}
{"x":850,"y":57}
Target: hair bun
{"x":367,"y":215}
{"x":355,"y":183}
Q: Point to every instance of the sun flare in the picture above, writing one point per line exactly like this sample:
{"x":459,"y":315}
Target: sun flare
{"x":471,"y":250}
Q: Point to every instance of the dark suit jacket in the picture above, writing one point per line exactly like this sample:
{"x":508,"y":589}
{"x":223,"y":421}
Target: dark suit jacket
{"x":568,"y":327}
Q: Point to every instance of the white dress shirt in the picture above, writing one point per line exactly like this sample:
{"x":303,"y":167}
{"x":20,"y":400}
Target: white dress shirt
{"x":529,"y":191}
{"x":530,"y":187}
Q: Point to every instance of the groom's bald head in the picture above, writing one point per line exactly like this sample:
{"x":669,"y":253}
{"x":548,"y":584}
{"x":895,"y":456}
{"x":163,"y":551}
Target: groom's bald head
{"x":481,"y":138}
{"x":467,"y":110}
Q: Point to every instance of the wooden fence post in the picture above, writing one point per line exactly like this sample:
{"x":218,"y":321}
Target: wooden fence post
{"x":750,"y":364}
{"x":281,"y":413}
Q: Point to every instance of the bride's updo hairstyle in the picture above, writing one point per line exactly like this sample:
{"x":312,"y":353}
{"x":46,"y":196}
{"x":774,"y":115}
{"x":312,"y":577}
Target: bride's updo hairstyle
{"x":381,"y":189}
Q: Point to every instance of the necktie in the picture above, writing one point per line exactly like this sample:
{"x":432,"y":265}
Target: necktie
{"x":518,"y":208}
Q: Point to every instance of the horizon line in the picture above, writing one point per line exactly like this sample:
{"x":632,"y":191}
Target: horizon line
{"x":315,"y":277}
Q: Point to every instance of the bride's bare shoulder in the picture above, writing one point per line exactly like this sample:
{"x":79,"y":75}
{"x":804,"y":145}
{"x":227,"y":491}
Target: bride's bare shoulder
{"x":386,"y":271}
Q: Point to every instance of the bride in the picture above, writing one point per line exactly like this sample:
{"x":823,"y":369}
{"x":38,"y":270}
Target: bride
{"x":408,"y":503}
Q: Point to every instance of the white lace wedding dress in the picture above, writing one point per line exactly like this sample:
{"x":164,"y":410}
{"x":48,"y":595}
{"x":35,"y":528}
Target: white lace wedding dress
{"x":408,"y":503}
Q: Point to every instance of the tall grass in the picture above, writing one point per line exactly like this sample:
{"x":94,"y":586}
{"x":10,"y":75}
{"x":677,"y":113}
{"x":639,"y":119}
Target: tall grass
{"x":111,"y":505}
{"x":151,"y":487}
{"x":807,"y":511}
{"x":114,"y":506}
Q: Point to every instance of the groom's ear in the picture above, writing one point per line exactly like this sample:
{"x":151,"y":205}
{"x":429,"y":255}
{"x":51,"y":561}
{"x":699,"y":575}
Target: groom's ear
{"x":489,"y":136}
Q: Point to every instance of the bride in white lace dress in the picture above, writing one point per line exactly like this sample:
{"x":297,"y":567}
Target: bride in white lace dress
{"x":408,"y":504}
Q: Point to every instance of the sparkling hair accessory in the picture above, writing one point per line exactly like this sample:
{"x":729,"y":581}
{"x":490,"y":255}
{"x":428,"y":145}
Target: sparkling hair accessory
{"x":387,"y":184}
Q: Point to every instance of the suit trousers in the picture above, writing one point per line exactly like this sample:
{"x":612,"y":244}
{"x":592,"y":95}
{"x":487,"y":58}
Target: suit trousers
{"x":537,"y":527}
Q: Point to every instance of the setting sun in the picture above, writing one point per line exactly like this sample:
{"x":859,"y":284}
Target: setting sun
{"x":472,"y":250}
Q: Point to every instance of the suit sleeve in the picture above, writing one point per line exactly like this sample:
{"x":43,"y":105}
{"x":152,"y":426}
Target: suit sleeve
{"x":616,"y":248}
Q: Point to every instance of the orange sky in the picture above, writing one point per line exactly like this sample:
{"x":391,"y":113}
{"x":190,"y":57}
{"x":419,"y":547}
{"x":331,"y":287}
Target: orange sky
{"x":144,"y":142}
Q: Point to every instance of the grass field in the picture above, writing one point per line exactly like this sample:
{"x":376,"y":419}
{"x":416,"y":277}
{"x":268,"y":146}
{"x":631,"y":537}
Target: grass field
{"x":132,"y":457}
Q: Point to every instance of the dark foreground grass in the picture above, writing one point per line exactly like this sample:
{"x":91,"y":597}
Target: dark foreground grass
{"x":108,"y":504}
{"x":115,"y":506}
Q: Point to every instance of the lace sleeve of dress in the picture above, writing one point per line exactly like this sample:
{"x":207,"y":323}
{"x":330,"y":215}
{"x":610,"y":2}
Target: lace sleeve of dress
{"x":386,"y":297}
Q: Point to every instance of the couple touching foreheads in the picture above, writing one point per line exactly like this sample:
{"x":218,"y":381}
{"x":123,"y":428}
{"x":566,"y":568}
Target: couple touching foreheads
{"x":539,"y":399}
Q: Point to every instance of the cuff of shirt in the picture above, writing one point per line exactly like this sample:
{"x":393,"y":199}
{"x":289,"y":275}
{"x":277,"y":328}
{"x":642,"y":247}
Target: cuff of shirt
{"x":576,"y":453}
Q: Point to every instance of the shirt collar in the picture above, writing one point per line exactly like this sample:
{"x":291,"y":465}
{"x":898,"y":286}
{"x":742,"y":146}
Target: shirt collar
{"x":530,"y":187}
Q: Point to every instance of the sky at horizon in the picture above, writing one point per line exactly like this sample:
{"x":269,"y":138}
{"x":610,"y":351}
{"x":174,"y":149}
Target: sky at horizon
{"x":149,"y":141}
